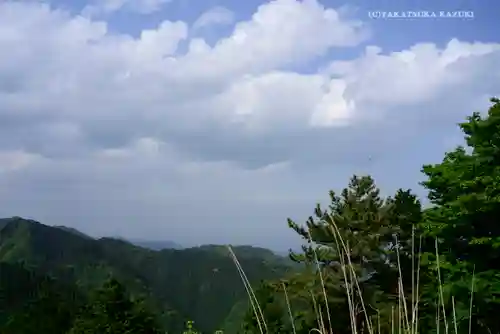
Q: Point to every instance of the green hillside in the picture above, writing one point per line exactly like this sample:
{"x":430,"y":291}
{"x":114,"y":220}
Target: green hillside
{"x":200,"y":284}
{"x":246,"y":252}
{"x":27,"y":299}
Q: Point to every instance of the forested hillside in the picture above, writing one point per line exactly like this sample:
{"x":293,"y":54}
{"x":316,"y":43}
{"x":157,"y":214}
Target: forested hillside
{"x":28,"y":299}
{"x":370,"y":264}
{"x":200,"y":284}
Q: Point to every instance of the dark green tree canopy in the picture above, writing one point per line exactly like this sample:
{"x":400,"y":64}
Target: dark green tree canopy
{"x":465,"y":189}
{"x":111,"y":311}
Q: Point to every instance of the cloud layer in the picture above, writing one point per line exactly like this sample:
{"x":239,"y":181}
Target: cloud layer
{"x":131,"y":136}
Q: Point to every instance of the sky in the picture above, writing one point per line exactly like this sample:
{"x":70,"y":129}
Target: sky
{"x":213,"y":121}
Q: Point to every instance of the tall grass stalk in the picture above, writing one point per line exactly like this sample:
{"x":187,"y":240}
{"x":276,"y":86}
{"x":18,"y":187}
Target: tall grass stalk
{"x":319,"y":318}
{"x":454,"y":314}
{"x":353,"y":272}
{"x":471,"y":295}
{"x":289,"y":308}
{"x":253,"y":299}
{"x":406,"y":323}
{"x":441,"y":288}
{"x":347,"y":285}
{"x":320,"y":272}
{"x":401,"y":288}
{"x":415,"y":305}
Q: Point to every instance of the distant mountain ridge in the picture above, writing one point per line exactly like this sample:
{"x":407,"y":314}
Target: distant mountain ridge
{"x":199,"y":283}
{"x":157,"y":245}
{"x":73,"y":230}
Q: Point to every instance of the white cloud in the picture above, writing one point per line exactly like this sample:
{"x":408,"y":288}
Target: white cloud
{"x":278,"y":35}
{"x":99,"y":126}
{"x":215,"y":16}
{"x":410,"y":76}
{"x":333,"y":109}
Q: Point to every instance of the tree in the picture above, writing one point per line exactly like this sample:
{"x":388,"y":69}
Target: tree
{"x":272,"y":309}
{"x":402,"y":244}
{"x":465,"y":191}
{"x":111,"y":311}
{"x":354,"y":240}
{"x":34,"y":303}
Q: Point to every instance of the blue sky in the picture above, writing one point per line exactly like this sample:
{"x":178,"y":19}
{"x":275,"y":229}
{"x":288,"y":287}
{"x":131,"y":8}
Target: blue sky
{"x":213,"y":121}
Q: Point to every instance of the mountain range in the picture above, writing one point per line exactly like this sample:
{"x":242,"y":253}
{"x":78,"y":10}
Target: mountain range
{"x":199,"y":283}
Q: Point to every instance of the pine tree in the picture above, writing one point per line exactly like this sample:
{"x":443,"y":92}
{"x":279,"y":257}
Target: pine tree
{"x":357,"y":231}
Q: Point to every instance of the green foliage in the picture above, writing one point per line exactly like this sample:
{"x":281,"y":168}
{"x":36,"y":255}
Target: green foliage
{"x":272,"y":308}
{"x":200,"y":283}
{"x":111,"y":311}
{"x":465,"y":191}
{"x":190,"y":328}
{"x":33,"y":303}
